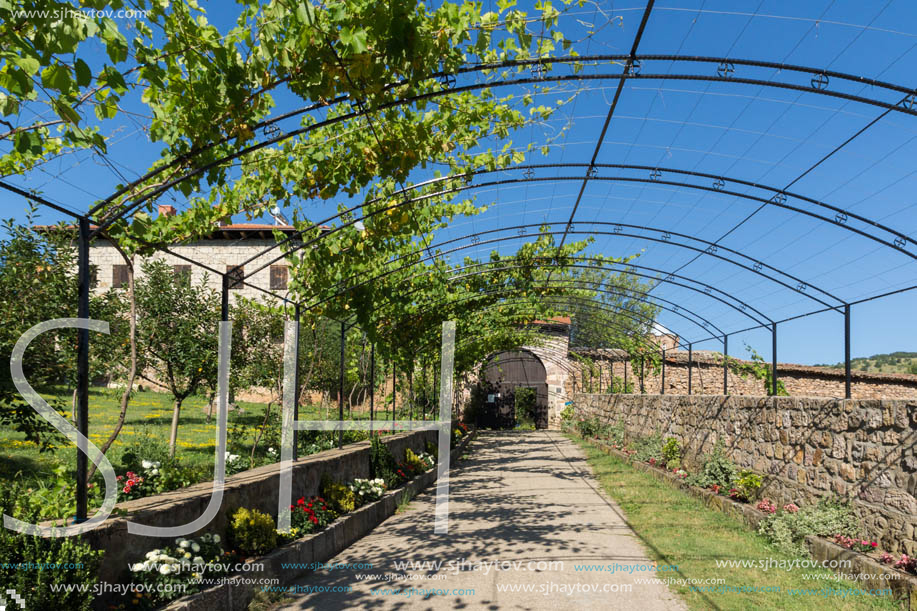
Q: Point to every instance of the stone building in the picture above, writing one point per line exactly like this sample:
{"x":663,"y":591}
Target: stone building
{"x":229,"y":248}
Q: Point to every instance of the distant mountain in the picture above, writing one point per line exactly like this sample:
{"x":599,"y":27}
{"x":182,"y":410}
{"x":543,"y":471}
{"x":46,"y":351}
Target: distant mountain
{"x":895,"y":362}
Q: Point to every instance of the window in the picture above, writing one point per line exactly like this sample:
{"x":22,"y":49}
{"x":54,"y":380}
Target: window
{"x":118,"y":276}
{"x":278,"y":277}
{"x":235,"y":274}
{"x":182,"y":274}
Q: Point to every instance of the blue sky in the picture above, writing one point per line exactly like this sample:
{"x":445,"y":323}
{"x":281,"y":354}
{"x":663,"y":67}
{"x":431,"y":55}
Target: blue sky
{"x":764,"y":135}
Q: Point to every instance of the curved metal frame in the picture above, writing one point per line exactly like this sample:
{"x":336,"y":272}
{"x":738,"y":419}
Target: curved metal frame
{"x":605,"y":263}
{"x":711,"y":250}
{"x":901,"y":106}
{"x":596,"y":287}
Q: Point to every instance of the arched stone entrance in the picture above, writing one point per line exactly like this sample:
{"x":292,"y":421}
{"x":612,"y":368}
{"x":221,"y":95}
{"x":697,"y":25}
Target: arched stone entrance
{"x":507,"y":372}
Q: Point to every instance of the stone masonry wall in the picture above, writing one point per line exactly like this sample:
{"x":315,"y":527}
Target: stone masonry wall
{"x":806,"y":448}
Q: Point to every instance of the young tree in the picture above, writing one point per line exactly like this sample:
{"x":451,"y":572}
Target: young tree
{"x":177,"y":334}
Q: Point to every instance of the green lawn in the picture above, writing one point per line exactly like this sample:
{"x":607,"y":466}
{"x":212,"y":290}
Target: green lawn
{"x":149,"y":416}
{"x":678,"y":529}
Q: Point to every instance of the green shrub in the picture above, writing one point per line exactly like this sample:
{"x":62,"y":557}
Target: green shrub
{"x":339,"y":496}
{"x":649,"y":448}
{"x":252,"y":532}
{"x":568,"y":413}
{"x":35,"y":585}
{"x":524,"y":402}
{"x":746,"y":486}
{"x":717,"y":469}
{"x":671,"y":453}
{"x":788,"y":530}
{"x":414,"y":462}
{"x":381,"y":462}
{"x":617,"y":434}
{"x":589,"y":427}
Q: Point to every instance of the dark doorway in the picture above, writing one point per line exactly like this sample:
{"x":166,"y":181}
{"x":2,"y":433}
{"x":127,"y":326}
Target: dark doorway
{"x":507,"y":371}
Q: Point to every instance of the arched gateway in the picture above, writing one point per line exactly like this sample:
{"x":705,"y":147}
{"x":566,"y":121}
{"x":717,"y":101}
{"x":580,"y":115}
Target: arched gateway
{"x":543,"y":368}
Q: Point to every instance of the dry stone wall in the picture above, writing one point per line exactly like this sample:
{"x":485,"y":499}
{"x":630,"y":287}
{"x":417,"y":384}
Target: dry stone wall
{"x":806,"y":448}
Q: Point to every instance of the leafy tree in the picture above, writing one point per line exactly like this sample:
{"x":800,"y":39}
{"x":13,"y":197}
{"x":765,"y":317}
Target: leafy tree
{"x":177,"y":333}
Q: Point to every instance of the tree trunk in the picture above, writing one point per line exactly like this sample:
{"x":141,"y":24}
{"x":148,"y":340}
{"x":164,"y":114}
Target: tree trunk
{"x":131,"y":375}
{"x":173,"y":436}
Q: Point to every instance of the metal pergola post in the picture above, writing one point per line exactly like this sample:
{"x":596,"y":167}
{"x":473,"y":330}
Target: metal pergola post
{"x":774,"y":359}
{"x":625,"y":374}
{"x":725,"y":364}
{"x":662,"y":386}
{"x":642,"y":387}
{"x":690,"y":372}
{"x":82,"y":369}
{"x":341,"y":387}
{"x":297,"y":317}
{"x":847,"y":376}
{"x":394,"y":384}
{"x":372,"y":384}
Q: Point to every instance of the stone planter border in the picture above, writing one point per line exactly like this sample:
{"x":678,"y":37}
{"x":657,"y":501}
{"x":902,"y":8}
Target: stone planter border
{"x":235,"y":593}
{"x":903,"y":585}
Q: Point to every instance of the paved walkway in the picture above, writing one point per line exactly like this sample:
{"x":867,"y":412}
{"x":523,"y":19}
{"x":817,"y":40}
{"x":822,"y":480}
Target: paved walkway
{"x":518,"y":498}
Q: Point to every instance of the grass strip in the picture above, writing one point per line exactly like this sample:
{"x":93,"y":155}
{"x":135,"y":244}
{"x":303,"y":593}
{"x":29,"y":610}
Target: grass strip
{"x":677,"y":529}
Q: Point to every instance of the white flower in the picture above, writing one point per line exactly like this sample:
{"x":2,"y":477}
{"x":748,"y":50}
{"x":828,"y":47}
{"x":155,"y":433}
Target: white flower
{"x":137,"y":567}
{"x":151,"y":554}
{"x":185,"y":544}
{"x":165,"y":569}
{"x":154,"y":472}
{"x":216,"y":538}
{"x":195,"y":548}
{"x":198,"y":560}
{"x":146,"y":464}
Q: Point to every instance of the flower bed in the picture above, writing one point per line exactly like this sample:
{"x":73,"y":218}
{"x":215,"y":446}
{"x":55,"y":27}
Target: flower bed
{"x":864,"y":555}
{"x":234,"y":593}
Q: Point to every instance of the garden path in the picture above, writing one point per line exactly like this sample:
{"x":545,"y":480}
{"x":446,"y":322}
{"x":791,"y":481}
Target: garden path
{"x":518,"y":497}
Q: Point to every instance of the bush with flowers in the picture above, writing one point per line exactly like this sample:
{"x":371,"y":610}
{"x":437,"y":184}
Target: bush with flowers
{"x":252,"y":532}
{"x":367,"y":490}
{"x":308,"y":516}
{"x":855,"y":543}
{"x":340,"y":498}
{"x":131,"y":486}
{"x":184,"y":564}
{"x":767,"y":506}
{"x":905,"y":563}
{"x":788,"y":529}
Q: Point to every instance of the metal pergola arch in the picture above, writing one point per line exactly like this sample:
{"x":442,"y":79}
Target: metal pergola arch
{"x":594,"y":286}
{"x":756,"y":268}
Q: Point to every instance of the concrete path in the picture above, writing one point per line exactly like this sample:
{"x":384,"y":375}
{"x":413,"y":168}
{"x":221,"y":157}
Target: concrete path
{"x":520,"y":499}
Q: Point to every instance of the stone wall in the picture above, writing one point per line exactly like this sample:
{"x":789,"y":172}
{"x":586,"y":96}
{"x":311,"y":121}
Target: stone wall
{"x":255,"y":489}
{"x":806,"y":448}
{"x":707,"y":378}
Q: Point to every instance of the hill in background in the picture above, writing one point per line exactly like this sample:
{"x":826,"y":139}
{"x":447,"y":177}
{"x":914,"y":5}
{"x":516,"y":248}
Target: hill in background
{"x":895,"y":362}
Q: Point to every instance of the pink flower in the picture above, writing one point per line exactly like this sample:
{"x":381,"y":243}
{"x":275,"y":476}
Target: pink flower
{"x":126,"y":490}
{"x":874,"y":544}
{"x":791,"y":508}
{"x":886,"y":558}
